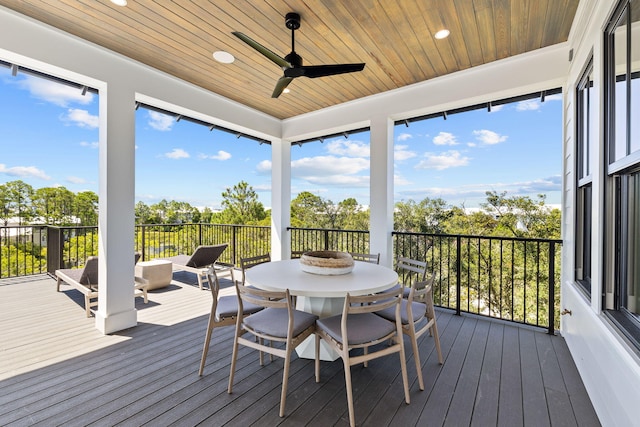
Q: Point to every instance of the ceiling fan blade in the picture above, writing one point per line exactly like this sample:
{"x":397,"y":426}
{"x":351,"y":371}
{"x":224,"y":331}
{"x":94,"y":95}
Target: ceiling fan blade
{"x":274,"y":57}
{"x":313,"y":71}
{"x":283,"y":82}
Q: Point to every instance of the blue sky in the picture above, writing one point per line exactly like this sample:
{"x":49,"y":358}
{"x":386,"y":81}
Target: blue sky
{"x":50,"y":134}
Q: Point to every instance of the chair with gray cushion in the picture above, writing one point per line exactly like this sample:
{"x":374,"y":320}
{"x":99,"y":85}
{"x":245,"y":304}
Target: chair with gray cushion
{"x":279,"y":322}
{"x":417,"y":316}
{"x":200,"y":261}
{"x":224,"y":312}
{"x":358,"y":327}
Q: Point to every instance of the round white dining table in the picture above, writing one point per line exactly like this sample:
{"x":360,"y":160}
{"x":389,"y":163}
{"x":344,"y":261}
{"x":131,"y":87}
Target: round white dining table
{"x":322,"y":295}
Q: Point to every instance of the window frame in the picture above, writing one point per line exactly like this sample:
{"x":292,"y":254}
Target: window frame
{"x":620,"y":172}
{"x":584,"y":194}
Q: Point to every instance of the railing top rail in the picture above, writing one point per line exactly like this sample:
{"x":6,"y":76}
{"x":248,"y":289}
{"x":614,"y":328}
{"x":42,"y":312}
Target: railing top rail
{"x":471,"y":236}
{"x":328,"y":229}
{"x":200,"y":223}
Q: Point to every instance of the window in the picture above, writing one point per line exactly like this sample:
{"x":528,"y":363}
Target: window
{"x":585,"y":118}
{"x":623,"y":168}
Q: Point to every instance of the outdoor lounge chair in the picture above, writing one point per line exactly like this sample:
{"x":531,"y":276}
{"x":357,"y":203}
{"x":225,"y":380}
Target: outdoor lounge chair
{"x":85,"y":280}
{"x":199,"y":262}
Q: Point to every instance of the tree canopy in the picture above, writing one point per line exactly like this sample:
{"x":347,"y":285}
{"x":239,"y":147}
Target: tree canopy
{"x":500,"y":215}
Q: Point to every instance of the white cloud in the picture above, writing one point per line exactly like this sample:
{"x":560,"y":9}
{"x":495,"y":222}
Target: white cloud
{"x":82,"y":118}
{"x":327,"y":165}
{"x":56,"y":93}
{"x":489,"y":137}
{"x":496,"y":108}
{"x":221,"y":155}
{"x":331,"y":170}
{"x":400,"y":180}
{"x":161,"y":122}
{"x":348,"y":148}
{"x":24,"y":171}
{"x":478,"y":190}
{"x":401,"y":153}
{"x":446,"y":160}
{"x":528,"y":105}
{"x":264,"y":166}
{"x":177,"y":153}
{"x":76,"y":180}
{"x":404,"y":136}
{"x":445,"y":138}
{"x":89,"y":144}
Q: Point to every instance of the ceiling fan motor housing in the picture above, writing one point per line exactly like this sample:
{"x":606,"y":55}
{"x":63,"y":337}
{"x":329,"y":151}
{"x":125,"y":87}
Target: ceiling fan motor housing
{"x":292,"y":20}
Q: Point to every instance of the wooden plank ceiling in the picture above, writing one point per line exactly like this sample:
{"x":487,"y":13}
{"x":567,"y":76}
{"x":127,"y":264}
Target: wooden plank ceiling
{"x":394,"y":38}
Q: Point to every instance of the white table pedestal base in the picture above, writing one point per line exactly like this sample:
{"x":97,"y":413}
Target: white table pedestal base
{"x":322,"y":307}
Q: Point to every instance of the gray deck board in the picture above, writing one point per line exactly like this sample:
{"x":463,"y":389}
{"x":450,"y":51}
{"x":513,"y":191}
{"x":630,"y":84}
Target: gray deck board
{"x":57,"y":369}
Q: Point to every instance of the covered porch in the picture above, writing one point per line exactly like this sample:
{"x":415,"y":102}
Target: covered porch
{"x":56,"y":368}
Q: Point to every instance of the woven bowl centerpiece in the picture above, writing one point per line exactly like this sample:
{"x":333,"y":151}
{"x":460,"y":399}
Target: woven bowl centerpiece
{"x":327,"y":263}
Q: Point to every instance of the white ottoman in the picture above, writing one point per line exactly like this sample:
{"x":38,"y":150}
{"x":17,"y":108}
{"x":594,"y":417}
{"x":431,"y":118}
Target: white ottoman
{"x":157,"y":272}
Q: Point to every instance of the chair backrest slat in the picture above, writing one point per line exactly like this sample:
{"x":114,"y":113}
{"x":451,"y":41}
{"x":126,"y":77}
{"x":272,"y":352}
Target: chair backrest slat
{"x":372,"y":258}
{"x":371,"y":303}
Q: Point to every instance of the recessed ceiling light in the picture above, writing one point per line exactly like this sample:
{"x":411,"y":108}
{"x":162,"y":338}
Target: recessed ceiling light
{"x":442,"y":34}
{"x":286,"y":90}
{"x":224,"y":57}
{"x":119,"y":2}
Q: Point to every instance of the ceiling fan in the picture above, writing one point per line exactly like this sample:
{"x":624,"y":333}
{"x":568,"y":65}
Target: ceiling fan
{"x":292,"y":63}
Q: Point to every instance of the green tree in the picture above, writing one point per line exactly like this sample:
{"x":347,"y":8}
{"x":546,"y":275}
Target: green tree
{"x":522,"y":216}
{"x":351,"y":215}
{"x":426,"y":216}
{"x":54,"y":205}
{"x":305,"y":209}
{"x":17,"y":201}
{"x":206,"y":215}
{"x":4,"y":205}
{"x":143,"y":213}
{"x":86,"y":207}
{"x":241,"y":205}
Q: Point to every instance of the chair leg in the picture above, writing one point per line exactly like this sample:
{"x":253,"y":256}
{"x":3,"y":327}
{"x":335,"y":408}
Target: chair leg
{"x":403,"y":366}
{"x":87,"y":305}
{"x":285,"y":380}
{"x":234,"y":355}
{"x":261,"y":356}
{"x":366,"y":362}
{"x":436,"y":338}
{"x":416,"y":358}
{"x":317,"y":361}
{"x":347,"y":380}
{"x":434,"y":329}
{"x":205,"y":350}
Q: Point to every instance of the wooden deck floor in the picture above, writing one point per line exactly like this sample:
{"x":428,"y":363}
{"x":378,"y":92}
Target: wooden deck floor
{"x":56,"y":369}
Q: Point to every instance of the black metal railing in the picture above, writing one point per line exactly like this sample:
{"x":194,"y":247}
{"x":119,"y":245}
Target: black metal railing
{"x":23,"y":250}
{"x":513,"y":279}
{"x":69,"y":247}
{"x":160,"y":241}
{"x":508,"y":278}
{"x":321,"y":239}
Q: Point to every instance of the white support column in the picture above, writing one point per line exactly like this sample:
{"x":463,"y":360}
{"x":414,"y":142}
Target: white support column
{"x":280,"y":198}
{"x":381,"y":189}
{"x":116,"y":310}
